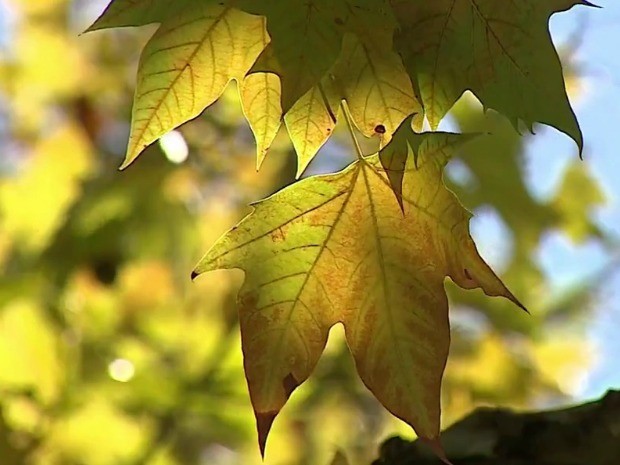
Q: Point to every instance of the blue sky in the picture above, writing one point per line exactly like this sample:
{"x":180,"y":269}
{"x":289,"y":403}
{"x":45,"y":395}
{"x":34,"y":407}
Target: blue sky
{"x":598,"y":112}
{"x":548,"y":154}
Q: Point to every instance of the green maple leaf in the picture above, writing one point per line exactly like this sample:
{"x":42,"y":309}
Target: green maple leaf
{"x":124,"y":13}
{"x":338,"y":249}
{"x":306,"y":37}
{"x":501,"y":51}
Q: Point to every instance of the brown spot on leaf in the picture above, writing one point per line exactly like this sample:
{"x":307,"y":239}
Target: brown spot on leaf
{"x":380,"y":129}
{"x":467,"y":275}
{"x":339,"y":21}
{"x":278,"y":235}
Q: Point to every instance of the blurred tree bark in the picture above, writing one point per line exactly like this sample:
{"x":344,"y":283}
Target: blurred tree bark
{"x":587,"y":434}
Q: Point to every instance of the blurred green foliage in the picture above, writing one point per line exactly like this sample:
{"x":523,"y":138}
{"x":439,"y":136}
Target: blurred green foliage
{"x":110,"y":355}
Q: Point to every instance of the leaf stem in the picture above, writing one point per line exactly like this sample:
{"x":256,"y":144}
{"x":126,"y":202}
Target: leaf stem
{"x":332,"y":115}
{"x":347,"y":117}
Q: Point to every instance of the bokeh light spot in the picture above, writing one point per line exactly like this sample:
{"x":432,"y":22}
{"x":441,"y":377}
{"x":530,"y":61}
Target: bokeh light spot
{"x":121,"y":370}
{"x":174,"y":147}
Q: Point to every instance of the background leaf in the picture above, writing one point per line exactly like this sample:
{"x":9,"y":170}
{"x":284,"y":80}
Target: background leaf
{"x":453,"y":46}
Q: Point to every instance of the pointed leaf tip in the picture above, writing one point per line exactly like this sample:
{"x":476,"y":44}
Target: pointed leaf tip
{"x":264,"y":420}
{"x":518,"y":303}
{"x":128,"y":161}
{"x":263,"y":426}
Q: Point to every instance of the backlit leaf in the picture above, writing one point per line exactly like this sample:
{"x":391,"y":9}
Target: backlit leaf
{"x":376,"y":87}
{"x":338,"y":248}
{"x":186,"y":66}
{"x":311,"y":121}
{"x":407,"y":143}
{"x":260,"y":98}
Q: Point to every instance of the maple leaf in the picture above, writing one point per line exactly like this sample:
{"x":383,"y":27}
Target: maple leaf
{"x":187,"y":64}
{"x":501,"y":51}
{"x":448,"y":46}
{"x":376,"y":87}
{"x":124,"y":13}
{"x":311,"y":121}
{"x":306,"y":37}
{"x":338,"y":249}
{"x":406,"y":144}
{"x":260,"y":100}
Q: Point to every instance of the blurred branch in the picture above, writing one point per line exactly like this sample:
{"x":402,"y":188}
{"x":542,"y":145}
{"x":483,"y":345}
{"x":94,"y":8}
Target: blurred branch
{"x":587,"y":434}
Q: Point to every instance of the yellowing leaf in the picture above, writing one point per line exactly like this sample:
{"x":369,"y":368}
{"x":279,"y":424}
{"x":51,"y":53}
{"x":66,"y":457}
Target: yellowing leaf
{"x":260,"y":98}
{"x":501,"y":51}
{"x":34,"y":202}
{"x":338,"y":248}
{"x":310,"y":123}
{"x":186,"y":66}
{"x":30,"y":356}
{"x":376,"y":87}
{"x":406,"y":143}
{"x":576,"y":197}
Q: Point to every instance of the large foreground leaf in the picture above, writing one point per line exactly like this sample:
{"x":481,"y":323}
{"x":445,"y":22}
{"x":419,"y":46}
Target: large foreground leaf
{"x":338,"y":248}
